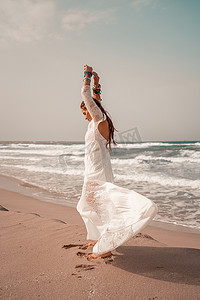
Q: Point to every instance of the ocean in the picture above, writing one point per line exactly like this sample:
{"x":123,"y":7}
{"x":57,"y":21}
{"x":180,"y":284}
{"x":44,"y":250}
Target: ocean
{"x":166,"y":172}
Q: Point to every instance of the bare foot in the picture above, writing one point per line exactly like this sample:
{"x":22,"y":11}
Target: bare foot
{"x":92,"y":255}
{"x":91,"y":243}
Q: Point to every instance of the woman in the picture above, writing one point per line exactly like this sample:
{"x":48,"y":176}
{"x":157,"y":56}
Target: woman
{"x":111,"y":214}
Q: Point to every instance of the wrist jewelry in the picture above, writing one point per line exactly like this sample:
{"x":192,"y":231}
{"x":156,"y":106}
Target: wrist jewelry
{"x":97,"y":91}
{"x":89,"y":73}
{"x":98,"y":86}
{"x":87,"y":78}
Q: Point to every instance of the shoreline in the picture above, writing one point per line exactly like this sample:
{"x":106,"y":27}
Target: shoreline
{"x":16,"y":185}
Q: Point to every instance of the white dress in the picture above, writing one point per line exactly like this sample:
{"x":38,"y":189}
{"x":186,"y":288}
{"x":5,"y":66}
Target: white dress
{"x":112,"y":214}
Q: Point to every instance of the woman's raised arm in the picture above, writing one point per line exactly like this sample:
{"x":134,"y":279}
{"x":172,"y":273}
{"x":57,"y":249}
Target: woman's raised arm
{"x":90,"y":104}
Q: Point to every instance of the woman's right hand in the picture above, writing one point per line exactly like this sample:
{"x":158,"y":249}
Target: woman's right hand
{"x":88,"y":68}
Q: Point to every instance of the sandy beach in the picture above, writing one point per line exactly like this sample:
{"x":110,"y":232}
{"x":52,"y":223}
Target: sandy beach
{"x":43,"y":257}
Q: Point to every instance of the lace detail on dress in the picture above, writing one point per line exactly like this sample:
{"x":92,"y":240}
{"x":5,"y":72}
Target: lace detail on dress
{"x":90,"y":191}
{"x":91,"y":106}
{"x":97,"y":198}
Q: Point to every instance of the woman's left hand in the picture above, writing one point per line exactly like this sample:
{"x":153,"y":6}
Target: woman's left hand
{"x":96,"y":78}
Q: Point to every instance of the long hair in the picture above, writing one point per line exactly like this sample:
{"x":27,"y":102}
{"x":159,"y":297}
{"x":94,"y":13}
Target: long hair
{"x":110,"y":123}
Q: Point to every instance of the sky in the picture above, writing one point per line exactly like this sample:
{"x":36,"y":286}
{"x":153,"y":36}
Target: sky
{"x":146,"y":53}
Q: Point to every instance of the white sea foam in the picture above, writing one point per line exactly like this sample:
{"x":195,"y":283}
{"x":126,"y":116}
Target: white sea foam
{"x":170,"y":159}
{"x":32,"y":145}
{"x":151,"y":144}
{"x":20,"y":157}
{"x":142,"y":158}
{"x":62,"y":170}
{"x":161,"y":179}
{"x":190,"y":153}
{"x":54,"y":152}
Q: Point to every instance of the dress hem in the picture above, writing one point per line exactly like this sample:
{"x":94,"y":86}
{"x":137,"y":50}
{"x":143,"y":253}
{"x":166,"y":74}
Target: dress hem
{"x":130,"y":235}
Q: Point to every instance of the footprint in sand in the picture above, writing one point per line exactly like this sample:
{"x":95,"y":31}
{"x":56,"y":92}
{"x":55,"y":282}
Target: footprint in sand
{"x":107,"y":260}
{"x":57,"y":220}
{"x":81,"y":254}
{"x":141,"y":235}
{"x":79,"y":276}
{"x":73,"y":245}
{"x":85,"y":267}
{"x":3,"y":208}
{"x":83,"y":247}
{"x":35,"y":214}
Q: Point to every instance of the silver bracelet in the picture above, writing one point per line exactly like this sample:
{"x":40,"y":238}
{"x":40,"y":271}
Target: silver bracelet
{"x":87,"y":78}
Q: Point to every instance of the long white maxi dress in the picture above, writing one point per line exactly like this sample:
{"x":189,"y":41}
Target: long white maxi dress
{"x":112,"y":214}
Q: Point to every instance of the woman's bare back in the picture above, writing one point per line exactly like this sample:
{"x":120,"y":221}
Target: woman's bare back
{"x":103,"y":128}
